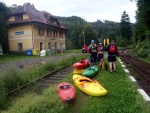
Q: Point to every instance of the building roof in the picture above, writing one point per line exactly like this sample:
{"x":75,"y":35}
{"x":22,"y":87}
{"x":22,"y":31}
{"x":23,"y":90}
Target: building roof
{"x":35,"y":16}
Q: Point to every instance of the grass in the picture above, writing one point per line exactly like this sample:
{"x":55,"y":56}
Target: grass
{"x":11,"y":57}
{"x":122,"y":97}
{"x":12,"y":77}
{"x":74,"y":51}
{"x":146,"y":60}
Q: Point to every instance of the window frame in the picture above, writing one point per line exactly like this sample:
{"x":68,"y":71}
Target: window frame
{"x":61,"y":34}
{"x":20,"y":47}
{"x":41,"y":31}
{"x":18,"y":17}
{"x":55,"y":33}
{"x":49,"y":33}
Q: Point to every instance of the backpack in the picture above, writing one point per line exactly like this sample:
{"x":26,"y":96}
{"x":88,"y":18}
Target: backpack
{"x":112,"y":49}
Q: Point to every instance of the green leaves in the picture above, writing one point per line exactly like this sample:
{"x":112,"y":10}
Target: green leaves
{"x":125,"y":26}
{"x":3,"y":26}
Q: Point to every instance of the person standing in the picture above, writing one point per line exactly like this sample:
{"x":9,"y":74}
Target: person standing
{"x":112,"y":53}
{"x":93,"y":53}
{"x":100,"y":54}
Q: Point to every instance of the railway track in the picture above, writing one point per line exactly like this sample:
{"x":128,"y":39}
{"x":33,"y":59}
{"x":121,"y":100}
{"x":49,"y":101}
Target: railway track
{"x":41,"y":83}
{"x":142,"y":68}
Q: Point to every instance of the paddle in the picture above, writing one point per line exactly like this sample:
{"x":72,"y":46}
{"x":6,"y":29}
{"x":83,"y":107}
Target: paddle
{"x":96,"y":63}
{"x":105,"y":65}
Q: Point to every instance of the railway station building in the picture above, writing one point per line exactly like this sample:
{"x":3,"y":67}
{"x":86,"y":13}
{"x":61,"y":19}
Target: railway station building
{"x":29,"y":28}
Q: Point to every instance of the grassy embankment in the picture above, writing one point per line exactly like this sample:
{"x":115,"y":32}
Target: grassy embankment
{"x":12,"y":77}
{"x":122,"y":97}
{"x":147,"y":59}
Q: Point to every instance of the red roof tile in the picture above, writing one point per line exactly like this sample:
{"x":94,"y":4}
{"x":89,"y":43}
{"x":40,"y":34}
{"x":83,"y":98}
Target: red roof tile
{"x":35,"y":15}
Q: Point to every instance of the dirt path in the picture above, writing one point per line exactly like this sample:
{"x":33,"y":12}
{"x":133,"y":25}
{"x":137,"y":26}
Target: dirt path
{"x":23,"y":62}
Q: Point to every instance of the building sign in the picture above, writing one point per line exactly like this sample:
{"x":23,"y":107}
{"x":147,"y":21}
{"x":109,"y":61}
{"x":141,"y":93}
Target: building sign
{"x":19,"y":33}
{"x":52,"y":38}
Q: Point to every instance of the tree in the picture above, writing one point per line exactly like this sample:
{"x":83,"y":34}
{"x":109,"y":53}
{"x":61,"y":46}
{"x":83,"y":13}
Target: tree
{"x":3,"y":26}
{"x":143,"y":19}
{"x":90,"y":34}
{"x":76,"y":36}
{"x":142,"y":29}
{"x":111,"y":35}
{"x":125,"y":26}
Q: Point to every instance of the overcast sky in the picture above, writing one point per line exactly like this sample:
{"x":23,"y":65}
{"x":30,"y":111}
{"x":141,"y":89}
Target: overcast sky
{"x":90,"y":10}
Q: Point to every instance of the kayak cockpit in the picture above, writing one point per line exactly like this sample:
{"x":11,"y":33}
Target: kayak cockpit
{"x":64,"y":87}
{"x":85,"y":80}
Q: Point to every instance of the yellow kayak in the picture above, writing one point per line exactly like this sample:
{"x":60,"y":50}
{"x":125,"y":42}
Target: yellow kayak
{"x":78,"y":71}
{"x":88,"y":86}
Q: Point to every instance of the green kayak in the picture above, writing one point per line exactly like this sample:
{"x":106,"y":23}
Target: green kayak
{"x":90,"y":72}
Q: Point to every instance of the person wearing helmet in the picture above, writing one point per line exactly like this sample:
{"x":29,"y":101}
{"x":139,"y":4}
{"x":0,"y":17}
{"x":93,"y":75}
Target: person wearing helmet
{"x":100,"y":54}
{"x":93,"y":52}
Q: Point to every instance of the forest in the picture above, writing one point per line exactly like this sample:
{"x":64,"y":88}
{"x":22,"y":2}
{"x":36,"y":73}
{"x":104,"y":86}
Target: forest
{"x":126,"y":34}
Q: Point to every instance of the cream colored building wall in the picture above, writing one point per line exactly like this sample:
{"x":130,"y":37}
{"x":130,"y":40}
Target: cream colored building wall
{"x":48,"y":39}
{"x":27,"y":41}
{"x":25,"y":16}
{"x":12,"y":18}
{"x":58,"y":40}
{"x":20,"y":34}
{"x":37,"y":38}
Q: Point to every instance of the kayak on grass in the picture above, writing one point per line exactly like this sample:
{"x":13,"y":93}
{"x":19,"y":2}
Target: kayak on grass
{"x":82,"y":64}
{"x":91,"y":71}
{"x":88,"y":86}
{"x":78,"y":71}
{"x":66,"y":92}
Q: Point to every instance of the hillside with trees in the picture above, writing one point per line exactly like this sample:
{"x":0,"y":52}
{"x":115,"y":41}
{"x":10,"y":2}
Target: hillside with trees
{"x":92,"y":30}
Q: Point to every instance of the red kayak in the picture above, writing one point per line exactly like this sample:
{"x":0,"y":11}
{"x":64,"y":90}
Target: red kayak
{"x":66,"y":92}
{"x":82,"y":64}
{"x":86,"y":48}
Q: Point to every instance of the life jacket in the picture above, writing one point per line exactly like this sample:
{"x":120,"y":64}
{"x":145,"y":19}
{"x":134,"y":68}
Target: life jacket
{"x":99,"y":49}
{"x":93,"y":48}
{"x":112,"y":48}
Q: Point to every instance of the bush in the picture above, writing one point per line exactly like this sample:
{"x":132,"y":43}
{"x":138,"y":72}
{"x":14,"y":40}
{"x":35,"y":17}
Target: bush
{"x":12,"y":78}
{"x":124,"y":43}
{"x":142,"y":53}
{"x":143,"y":49}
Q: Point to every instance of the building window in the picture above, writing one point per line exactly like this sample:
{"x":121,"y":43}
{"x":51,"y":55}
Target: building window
{"x":55,"y":33}
{"x":52,"y":20}
{"x":18,"y":17}
{"x":20,"y":47}
{"x":49,"y":33}
{"x":49,"y":45}
{"x":61,"y":34}
{"x":41,"y":31}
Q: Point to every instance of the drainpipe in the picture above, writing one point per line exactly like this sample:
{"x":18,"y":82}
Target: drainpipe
{"x":32,"y":35}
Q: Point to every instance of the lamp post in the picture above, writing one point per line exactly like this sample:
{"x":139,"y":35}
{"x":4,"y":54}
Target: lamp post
{"x":99,"y":38}
{"x":84,"y":37}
